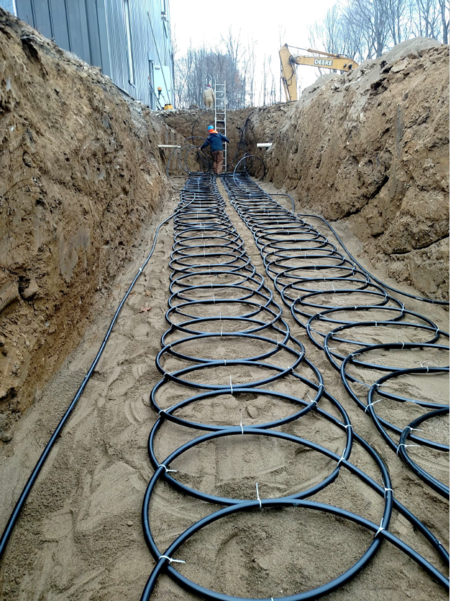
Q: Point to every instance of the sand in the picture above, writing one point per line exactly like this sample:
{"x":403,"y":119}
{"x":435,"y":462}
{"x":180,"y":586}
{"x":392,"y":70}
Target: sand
{"x":80,"y":535}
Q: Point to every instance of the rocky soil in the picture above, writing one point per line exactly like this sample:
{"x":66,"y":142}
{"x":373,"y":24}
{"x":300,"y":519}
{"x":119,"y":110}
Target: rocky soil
{"x":371,"y":148}
{"x":81,"y":174}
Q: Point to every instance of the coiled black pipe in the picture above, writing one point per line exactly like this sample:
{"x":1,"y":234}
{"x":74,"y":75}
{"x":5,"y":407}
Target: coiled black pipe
{"x":317,"y":282}
{"x":211,"y":268}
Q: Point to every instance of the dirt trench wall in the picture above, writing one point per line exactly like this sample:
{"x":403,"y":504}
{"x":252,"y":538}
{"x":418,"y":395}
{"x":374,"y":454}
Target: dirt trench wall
{"x":193,"y":122}
{"x":371,"y":148}
{"x":80,"y":175}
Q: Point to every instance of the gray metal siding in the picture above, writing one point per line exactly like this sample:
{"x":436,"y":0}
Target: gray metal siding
{"x":60,"y":23}
{"x":149,"y":43}
{"x":42,"y":18}
{"x":25,"y":11}
{"x":95,"y":30}
{"x":104,"y":40}
{"x":118,"y":44}
{"x":8,"y":5}
{"x":78,"y":32}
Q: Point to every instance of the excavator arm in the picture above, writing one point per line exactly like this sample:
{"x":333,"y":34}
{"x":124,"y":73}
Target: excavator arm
{"x":288,"y":63}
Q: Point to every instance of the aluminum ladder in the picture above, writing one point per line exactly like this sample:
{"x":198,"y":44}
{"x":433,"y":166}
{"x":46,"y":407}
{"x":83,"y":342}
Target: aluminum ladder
{"x":220,"y":115}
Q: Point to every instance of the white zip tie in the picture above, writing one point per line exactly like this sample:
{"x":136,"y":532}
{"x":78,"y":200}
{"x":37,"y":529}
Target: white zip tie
{"x":371,"y":404}
{"x":167,"y":469}
{"x":257,"y":496}
{"x":417,"y":429}
{"x":380,"y":528}
{"x":422,"y":365}
{"x":241,"y":425}
{"x":386,"y":490}
{"x":348,"y":426}
{"x":402,"y":343}
{"x":341,"y":459}
{"x":170,"y":559}
{"x":312,"y":402}
{"x":406,"y":445}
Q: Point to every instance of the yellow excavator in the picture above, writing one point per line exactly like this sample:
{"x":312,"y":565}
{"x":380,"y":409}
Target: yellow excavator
{"x":288,"y":63}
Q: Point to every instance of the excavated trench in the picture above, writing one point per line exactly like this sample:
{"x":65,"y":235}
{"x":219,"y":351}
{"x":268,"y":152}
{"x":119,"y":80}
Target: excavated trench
{"x":236,"y":366}
{"x":301,"y":401}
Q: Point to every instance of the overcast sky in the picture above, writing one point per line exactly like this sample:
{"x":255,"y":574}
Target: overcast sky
{"x":195,"y":22}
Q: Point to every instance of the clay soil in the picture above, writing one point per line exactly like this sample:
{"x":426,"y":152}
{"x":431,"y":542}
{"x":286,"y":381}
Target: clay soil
{"x":81,"y":174}
{"x":80,"y":536}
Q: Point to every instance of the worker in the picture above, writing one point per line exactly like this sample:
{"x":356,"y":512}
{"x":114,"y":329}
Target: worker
{"x":208,"y":97}
{"x":216,"y":141}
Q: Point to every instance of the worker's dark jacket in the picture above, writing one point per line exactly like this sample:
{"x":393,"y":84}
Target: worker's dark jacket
{"x":216,"y":142}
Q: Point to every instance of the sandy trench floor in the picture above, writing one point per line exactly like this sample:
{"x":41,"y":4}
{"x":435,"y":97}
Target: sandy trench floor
{"x":80,"y":534}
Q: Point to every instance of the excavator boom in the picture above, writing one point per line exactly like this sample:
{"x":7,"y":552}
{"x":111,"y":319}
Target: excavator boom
{"x":288,"y":63}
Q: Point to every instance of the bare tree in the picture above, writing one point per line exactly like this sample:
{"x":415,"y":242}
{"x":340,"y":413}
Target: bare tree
{"x":396,"y":13}
{"x":364,"y":29}
{"x":426,"y":18}
{"x":369,"y":19}
{"x":250,"y":71}
{"x":444,"y":10}
{"x":202,"y":66}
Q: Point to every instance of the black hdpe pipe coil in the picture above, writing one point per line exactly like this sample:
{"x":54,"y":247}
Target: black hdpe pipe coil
{"x":48,"y":448}
{"x":219,"y":299}
{"x":338,"y":302}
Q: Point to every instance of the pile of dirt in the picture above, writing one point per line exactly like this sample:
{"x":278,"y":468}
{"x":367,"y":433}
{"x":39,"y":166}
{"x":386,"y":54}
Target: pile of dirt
{"x":81,"y":175}
{"x":371,"y":148}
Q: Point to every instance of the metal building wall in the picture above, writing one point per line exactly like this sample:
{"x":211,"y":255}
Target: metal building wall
{"x":8,"y":5}
{"x":95,"y":30}
{"x":151,"y":47}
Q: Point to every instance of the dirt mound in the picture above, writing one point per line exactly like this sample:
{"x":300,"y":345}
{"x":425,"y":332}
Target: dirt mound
{"x":371,"y":147}
{"x":81,"y":175}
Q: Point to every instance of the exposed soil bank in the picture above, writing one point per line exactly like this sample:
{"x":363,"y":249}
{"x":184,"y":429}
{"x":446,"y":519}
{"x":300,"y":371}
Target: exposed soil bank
{"x":193,"y":122}
{"x":371,"y":147}
{"x":81,"y":174}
